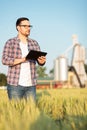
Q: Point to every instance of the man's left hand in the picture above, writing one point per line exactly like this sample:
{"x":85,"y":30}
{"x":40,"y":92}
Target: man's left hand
{"x":41,"y":60}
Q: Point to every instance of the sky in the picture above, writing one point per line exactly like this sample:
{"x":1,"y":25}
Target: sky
{"x":54,"y":22}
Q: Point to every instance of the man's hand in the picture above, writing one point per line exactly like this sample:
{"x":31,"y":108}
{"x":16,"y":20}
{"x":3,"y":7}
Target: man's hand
{"x":18,"y":61}
{"x":41,"y":60}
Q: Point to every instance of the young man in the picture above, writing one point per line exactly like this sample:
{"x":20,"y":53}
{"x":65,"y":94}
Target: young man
{"x":21,"y":77}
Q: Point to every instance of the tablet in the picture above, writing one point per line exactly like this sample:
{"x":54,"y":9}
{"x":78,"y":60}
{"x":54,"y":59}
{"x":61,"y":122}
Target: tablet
{"x":33,"y":54}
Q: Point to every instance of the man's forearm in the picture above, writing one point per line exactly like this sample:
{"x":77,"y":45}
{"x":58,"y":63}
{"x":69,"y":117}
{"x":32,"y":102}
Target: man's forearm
{"x":18,"y":61}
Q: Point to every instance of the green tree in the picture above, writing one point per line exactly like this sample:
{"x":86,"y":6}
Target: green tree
{"x":51,"y":73}
{"x":3,"y":79}
{"x":41,"y":71}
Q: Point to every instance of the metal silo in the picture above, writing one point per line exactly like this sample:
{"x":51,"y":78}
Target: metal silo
{"x":61,"y":69}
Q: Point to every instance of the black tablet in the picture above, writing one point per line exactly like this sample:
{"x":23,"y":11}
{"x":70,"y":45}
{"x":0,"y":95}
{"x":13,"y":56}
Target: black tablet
{"x":33,"y":55}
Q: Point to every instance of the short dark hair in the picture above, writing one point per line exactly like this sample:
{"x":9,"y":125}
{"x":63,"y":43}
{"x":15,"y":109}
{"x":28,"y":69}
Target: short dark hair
{"x":19,"y":20}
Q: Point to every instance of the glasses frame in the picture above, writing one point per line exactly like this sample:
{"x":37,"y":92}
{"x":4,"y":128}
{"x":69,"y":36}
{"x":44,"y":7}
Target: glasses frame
{"x":26,"y":26}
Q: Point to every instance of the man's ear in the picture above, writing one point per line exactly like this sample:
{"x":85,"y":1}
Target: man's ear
{"x":17,"y":28}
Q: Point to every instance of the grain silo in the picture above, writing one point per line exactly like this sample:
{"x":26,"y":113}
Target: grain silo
{"x":61,"y":69}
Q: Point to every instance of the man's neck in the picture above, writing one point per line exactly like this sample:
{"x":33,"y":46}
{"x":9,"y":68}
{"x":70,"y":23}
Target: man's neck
{"x":23,"y":38}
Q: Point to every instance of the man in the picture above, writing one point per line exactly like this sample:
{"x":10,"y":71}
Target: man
{"x":21,"y":77}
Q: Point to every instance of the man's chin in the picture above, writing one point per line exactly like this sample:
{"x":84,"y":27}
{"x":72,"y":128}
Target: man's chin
{"x":27,"y":35}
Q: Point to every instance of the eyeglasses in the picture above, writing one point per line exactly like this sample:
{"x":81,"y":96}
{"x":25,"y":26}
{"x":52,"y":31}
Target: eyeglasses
{"x":26,"y":26}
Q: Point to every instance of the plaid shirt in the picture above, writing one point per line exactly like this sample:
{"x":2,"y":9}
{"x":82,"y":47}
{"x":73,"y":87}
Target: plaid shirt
{"x":11,"y":52}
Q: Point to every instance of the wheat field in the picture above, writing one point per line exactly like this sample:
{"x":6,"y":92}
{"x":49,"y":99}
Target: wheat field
{"x":55,"y":109}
